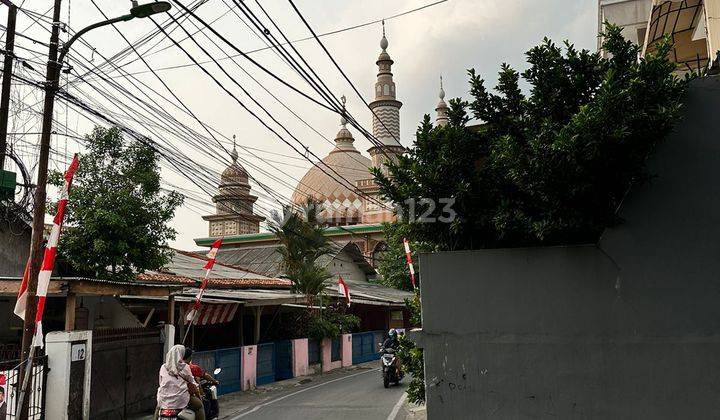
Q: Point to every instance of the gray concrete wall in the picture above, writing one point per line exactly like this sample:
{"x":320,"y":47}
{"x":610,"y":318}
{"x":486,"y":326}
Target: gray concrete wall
{"x":627,"y":329}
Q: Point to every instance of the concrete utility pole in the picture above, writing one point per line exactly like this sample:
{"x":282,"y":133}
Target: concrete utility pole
{"x":7,"y":78}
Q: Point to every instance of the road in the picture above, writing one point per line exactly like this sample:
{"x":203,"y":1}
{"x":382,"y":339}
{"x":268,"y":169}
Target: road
{"x":357,"y":396}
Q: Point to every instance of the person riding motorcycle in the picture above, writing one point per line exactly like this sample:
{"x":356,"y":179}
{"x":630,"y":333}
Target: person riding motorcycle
{"x":198,"y":372}
{"x":177,"y":388}
{"x":392,"y":342}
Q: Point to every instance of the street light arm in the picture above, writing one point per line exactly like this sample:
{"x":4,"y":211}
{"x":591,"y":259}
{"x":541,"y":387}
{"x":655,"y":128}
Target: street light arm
{"x":66,"y":47}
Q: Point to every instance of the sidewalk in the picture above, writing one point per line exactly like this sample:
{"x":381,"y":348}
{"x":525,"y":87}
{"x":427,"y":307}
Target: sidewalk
{"x":412,"y":411}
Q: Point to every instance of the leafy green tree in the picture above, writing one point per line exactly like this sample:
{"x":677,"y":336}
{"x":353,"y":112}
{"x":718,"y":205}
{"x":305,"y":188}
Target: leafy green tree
{"x":117,"y":215}
{"x":547,"y":167}
{"x":544,"y":168}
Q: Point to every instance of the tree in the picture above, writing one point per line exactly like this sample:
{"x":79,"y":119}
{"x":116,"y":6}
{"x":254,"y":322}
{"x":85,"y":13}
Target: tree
{"x":548,"y":167}
{"x":117,"y":216}
{"x":302,"y":243}
{"x":545,"y":168}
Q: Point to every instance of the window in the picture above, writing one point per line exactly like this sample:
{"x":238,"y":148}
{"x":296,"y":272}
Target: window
{"x":386,"y":90}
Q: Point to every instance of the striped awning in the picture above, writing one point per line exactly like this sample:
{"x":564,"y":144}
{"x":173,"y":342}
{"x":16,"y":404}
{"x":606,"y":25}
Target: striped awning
{"x":213,"y":313}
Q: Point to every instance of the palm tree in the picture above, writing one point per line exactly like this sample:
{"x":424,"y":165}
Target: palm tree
{"x":302,"y":243}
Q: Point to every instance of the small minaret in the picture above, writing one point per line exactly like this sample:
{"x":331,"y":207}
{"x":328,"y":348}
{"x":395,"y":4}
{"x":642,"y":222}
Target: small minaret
{"x":344,"y":139}
{"x":441,"y":119}
{"x":386,"y":110}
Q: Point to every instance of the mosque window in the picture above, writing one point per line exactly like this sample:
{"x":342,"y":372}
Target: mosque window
{"x":386,"y":90}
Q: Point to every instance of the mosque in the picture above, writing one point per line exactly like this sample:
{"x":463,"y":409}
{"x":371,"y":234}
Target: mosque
{"x":353,"y":216}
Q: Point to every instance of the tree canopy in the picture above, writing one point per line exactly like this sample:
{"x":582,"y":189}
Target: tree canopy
{"x":117,"y":219}
{"x":549,"y":166}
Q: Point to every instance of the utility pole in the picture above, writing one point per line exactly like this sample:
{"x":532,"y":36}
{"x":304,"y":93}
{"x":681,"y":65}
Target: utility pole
{"x":38,"y":223}
{"x":7,"y":78}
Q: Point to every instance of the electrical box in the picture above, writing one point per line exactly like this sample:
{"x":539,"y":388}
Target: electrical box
{"x":7,"y":185}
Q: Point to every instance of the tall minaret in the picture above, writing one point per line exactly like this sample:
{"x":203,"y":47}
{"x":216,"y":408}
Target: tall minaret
{"x":441,"y":119}
{"x":386,"y":110}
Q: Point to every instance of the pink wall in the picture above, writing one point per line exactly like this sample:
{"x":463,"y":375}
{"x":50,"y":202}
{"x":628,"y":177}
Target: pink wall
{"x":249,"y":367}
{"x":300,"y":357}
{"x":346,"y":346}
{"x":326,"y":350}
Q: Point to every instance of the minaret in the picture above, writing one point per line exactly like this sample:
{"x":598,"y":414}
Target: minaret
{"x":441,"y":119}
{"x":233,"y":204}
{"x":386,"y":110}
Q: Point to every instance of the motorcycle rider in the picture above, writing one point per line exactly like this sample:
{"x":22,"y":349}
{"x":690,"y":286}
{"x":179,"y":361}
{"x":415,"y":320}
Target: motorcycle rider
{"x":392,"y":342}
{"x":196,"y":370}
{"x":178,"y":388}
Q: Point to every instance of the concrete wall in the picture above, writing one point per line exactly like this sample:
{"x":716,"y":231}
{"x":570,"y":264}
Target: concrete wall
{"x":248,"y":359}
{"x":300,"y":357}
{"x":343,"y":265}
{"x":631,"y":15}
{"x":346,"y":349}
{"x":626,"y":329}
{"x":107,"y":312}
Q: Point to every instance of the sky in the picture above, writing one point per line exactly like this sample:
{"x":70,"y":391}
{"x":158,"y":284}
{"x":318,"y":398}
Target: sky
{"x":445,"y":39}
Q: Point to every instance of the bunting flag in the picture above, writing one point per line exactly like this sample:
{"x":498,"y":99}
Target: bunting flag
{"x":344,"y":290}
{"x":208,"y":266}
{"x":408,"y":257}
{"x":51,"y":252}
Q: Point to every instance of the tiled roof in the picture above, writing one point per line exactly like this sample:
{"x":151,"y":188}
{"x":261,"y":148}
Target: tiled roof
{"x":216,"y":282}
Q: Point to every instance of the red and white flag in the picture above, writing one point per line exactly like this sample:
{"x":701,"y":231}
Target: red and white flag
{"x":21,"y":302}
{"x":51,"y":252}
{"x":408,"y":257}
{"x":192,"y":314}
{"x":344,"y":290}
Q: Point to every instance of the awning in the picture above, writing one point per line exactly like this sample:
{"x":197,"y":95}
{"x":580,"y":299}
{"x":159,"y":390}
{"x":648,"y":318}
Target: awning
{"x":212,"y":313}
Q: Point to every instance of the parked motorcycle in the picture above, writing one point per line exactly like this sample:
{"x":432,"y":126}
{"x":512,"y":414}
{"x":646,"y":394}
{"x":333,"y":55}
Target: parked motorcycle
{"x":210,"y":404}
{"x":390,"y":373}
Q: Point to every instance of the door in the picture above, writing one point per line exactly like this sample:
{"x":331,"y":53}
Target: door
{"x":265,"y":363}
{"x":283,"y":360}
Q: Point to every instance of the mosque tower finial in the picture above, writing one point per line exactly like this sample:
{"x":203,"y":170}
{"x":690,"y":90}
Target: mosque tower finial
{"x":234,"y":153}
{"x":441,"y":119}
{"x":344,"y":138}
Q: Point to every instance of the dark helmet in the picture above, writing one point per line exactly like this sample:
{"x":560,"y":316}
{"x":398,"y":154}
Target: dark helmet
{"x":188,"y":353}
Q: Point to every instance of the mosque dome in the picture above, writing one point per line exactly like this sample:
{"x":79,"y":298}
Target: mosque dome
{"x":234,"y":174}
{"x":342,"y":204}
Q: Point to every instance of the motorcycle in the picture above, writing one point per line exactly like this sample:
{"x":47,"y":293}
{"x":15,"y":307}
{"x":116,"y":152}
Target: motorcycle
{"x":210,"y":404}
{"x":210,"y":397}
{"x":390,"y":372}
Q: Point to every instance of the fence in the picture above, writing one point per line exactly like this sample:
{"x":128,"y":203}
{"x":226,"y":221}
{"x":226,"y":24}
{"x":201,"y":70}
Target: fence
{"x":9,"y":378}
{"x":365,"y":346}
{"x":226,"y":359}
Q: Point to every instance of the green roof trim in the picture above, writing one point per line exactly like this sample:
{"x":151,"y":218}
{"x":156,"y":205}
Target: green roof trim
{"x":268,"y":236}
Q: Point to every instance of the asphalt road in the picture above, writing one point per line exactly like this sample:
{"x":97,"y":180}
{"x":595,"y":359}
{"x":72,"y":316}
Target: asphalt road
{"x":359,"y":395}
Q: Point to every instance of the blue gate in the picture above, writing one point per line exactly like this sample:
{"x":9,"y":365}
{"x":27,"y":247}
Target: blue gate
{"x":335,"y":353}
{"x":365,"y":347}
{"x":313,"y":352}
{"x":283,"y":360}
{"x":226,"y":359}
{"x":265,"y":363}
